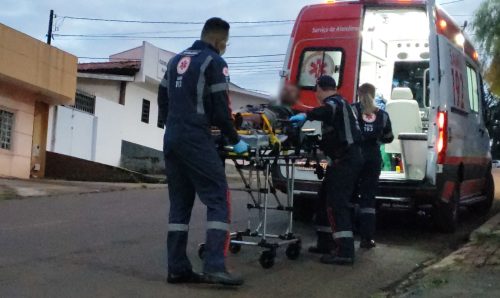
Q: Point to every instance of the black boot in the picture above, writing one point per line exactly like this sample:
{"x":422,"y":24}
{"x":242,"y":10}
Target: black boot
{"x":223,"y":278}
{"x":324,"y":244}
{"x":188,"y":277}
{"x":367,"y":243}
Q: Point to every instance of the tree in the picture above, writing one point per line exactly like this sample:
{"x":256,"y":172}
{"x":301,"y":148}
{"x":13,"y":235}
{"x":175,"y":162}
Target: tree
{"x":487,"y":30}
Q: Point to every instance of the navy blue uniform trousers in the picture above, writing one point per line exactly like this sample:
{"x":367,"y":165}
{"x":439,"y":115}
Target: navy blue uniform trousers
{"x":194,"y":167}
{"x":368,"y":185}
{"x":334,"y":205}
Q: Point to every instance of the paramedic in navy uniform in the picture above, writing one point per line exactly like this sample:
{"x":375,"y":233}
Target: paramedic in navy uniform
{"x":340,"y":143}
{"x":193,"y":96}
{"x":376,"y":129}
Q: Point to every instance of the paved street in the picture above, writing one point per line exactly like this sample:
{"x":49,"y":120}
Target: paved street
{"x":112,"y":245}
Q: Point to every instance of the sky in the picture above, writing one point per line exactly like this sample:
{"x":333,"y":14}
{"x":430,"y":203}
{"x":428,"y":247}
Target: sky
{"x":254,"y":73}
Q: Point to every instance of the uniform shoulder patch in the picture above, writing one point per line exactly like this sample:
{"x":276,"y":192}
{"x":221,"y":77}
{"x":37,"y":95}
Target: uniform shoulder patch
{"x":225,"y":71}
{"x":183,"y":65}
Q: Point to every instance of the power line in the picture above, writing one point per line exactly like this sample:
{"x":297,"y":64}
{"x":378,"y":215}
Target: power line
{"x":130,"y":37}
{"x":228,"y":57}
{"x":170,"y":22}
{"x":187,"y":30}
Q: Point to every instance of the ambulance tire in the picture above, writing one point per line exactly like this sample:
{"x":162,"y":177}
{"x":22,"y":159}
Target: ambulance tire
{"x":445,"y":214}
{"x":303,"y":208}
{"x":483,"y":207}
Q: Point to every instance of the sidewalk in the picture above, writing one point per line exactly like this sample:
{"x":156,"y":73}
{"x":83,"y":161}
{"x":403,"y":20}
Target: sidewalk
{"x":471,"y":271}
{"x":18,"y":189}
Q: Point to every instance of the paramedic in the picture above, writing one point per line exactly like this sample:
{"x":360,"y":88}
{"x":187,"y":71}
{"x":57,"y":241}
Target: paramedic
{"x":193,"y":96}
{"x":376,"y":130}
{"x":341,"y":135}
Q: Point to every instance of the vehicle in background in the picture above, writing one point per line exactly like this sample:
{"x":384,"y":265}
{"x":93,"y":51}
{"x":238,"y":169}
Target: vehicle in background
{"x":426,"y":68}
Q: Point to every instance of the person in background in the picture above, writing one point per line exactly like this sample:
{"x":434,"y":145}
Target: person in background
{"x":193,"y":96}
{"x":376,"y":129}
{"x":340,"y":143}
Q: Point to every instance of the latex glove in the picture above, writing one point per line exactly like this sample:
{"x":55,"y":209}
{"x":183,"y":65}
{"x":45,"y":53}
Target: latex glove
{"x":299,"y":119}
{"x":240,"y":147}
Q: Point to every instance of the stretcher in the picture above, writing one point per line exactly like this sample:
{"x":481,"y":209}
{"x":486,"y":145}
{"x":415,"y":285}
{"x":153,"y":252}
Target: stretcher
{"x":270,"y":148}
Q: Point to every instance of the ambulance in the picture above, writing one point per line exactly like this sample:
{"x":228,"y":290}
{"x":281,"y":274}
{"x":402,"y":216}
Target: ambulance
{"x":428,"y":78}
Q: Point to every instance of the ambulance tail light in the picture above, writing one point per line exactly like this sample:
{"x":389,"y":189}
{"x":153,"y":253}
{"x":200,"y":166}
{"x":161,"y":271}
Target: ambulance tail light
{"x":442,"y":141}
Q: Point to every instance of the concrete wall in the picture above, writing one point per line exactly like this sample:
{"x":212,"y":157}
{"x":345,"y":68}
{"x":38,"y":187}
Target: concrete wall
{"x":99,"y":137}
{"x":37,"y":66}
{"x":16,"y":161}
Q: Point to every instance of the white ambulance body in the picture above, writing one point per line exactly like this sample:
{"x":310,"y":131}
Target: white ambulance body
{"x":428,"y":73}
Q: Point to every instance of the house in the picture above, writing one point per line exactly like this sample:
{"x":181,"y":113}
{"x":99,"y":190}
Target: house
{"x":33,"y":76}
{"x":114,"y":120}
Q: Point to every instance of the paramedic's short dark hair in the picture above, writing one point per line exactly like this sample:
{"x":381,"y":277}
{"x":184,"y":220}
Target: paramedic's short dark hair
{"x":215,"y":26}
{"x":326,"y":83}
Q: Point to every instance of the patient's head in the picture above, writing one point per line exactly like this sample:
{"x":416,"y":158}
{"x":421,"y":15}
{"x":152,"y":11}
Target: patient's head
{"x":289,"y":95}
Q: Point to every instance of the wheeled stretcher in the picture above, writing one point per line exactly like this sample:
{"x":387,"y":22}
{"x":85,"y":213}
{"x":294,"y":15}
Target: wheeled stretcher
{"x":269,"y":151}
{"x":263,"y":198}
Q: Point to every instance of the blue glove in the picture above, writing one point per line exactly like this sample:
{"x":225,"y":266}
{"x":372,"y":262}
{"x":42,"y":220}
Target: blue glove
{"x":240,"y":147}
{"x":299,"y":119}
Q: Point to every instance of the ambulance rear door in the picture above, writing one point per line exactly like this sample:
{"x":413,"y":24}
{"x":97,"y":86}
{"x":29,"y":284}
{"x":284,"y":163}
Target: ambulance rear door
{"x":327,"y":40}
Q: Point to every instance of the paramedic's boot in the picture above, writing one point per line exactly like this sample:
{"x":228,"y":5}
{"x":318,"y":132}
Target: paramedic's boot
{"x":224,"y":278}
{"x":324,"y":245}
{"x":334,"y":259}
{"x":188,"y":277}
{"x":367,"y":243}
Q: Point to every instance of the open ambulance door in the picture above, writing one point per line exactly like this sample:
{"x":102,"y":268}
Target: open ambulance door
{"x":440,"y":80}
{"x":326,"y":40}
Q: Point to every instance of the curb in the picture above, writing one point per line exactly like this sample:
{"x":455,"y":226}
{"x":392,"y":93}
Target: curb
{"x":489,"y":230}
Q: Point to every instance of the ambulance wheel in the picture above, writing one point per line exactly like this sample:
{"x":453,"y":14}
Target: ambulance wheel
{"x":235,"y":248}
{"x":293,"y":251}
{"x":445,"y":214}
{"x":266,"y":259}
{"x":483,"y":207}
{"x":201,"y":251}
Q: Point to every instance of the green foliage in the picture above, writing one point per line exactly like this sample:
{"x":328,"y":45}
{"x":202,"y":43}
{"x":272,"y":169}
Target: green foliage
{"x":487,"y":27}
{"x":487,"y":30}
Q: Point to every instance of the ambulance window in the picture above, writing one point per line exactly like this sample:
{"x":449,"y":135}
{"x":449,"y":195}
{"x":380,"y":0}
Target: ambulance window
{"x":317,"y":62}
{"x":472,"y":81}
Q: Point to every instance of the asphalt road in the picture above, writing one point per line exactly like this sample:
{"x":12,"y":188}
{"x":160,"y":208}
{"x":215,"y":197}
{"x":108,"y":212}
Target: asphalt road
{"x":112,"y":245}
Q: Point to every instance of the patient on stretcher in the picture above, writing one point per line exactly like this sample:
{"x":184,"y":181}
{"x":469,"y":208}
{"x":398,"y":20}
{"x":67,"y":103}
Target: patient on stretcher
{"x":250,"y":117}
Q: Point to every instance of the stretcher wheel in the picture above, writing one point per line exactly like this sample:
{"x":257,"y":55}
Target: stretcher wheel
{"x":234,"y":248}
{"x":266,"y":259}
{"x":201,"y":251}
{"x":293,"y":251}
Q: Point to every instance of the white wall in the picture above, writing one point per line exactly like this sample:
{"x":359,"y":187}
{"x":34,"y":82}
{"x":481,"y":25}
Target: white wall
{"x":109,"y":131}
{"x":240,"y":100}
{"x":102,"y":88}
{"x":135,"y":131}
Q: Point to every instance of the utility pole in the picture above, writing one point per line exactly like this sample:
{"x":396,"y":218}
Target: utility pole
{"x":49,"y":32}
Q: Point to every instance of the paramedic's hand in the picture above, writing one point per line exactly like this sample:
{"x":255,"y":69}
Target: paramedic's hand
{"x":241,"y":147}
{"x":298,"y":119}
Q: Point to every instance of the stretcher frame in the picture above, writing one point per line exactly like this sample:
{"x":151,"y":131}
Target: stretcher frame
{"x":259,"y":164}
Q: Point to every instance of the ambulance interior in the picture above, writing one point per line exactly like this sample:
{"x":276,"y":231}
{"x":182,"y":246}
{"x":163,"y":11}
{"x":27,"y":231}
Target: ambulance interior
{"x":395,"y":59}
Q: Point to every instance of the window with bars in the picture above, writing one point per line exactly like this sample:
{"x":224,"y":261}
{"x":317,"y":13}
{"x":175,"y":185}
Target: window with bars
{"x":160,"y":122}
{"x":85,"y":102}
{"x":6,"y":127}
{"x":146,"y":105}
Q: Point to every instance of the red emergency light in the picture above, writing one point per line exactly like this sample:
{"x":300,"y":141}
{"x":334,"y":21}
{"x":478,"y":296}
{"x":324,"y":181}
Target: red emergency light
{"x":442,"y":142}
